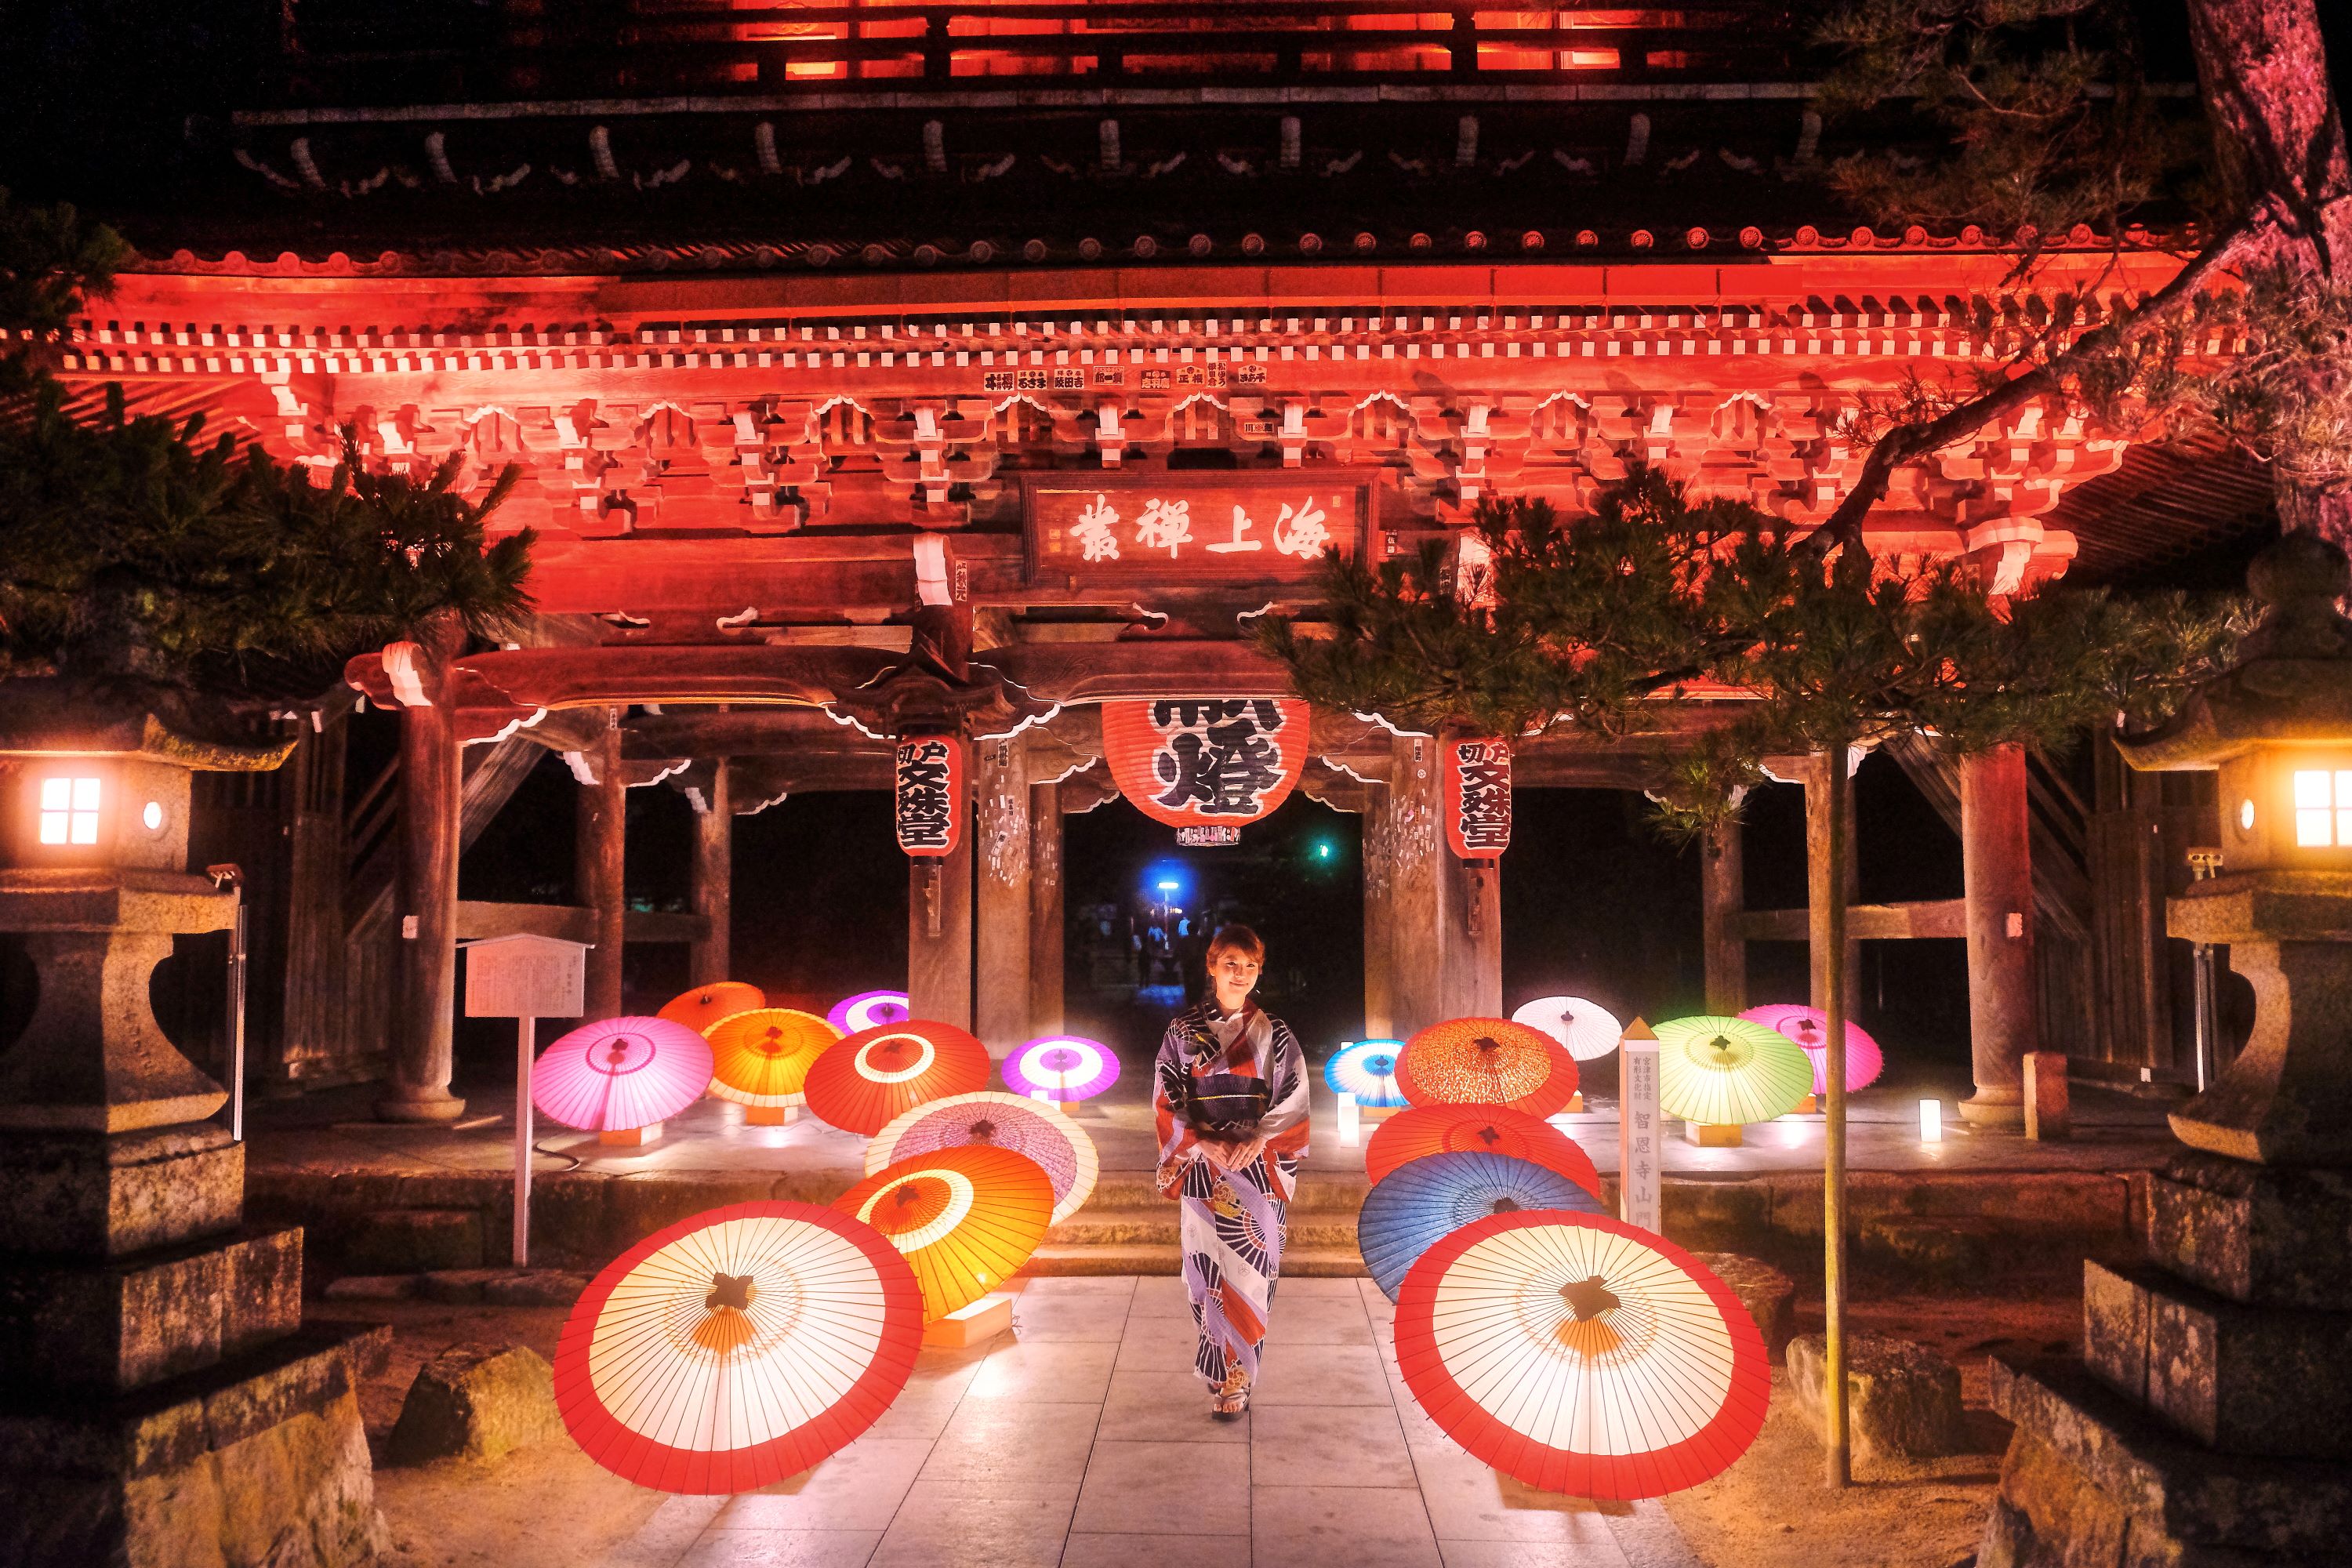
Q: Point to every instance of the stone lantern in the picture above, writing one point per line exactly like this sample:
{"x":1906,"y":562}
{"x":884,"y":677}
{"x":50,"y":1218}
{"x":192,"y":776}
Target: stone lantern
{"x":2210,"y":1419}
{"x":162,"y":1400}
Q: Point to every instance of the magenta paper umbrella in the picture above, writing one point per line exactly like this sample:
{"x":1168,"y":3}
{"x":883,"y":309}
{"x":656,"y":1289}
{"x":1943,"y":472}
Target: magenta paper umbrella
{"x":1061,"y":1067}
{"x":1809,"y":1027}
{"x":869,"y":1010}
{"x":621,"y":1073}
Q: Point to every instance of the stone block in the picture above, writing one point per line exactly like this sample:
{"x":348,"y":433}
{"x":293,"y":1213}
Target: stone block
{"x":1769,"y":1295}
{"x":476,"y":1402}
{"x":123,"y":1324}
{"x":2256,"y":1234}
{"x":1936,"y":1251}
{"x":503,"y":1287}
{"x":2249,"y":1380}
{"x":410,"y":1241}
{"x":2046,"y":1111}
{"x":262,"y":1461}
{"x":1903,"y":1400}
{"x":88,"y":1194}
{"x":2180,"y":1496}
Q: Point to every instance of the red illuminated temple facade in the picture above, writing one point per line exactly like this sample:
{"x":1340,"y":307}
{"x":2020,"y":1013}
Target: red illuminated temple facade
{"x":1052,"y":341}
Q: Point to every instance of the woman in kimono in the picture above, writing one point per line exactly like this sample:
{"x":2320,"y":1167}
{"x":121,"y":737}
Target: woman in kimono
{"x":1234,"y":1183}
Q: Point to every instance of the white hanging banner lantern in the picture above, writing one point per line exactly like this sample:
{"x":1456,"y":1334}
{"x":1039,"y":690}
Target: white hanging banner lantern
{"x":1477,"y":796}
{"x":927,"y":785}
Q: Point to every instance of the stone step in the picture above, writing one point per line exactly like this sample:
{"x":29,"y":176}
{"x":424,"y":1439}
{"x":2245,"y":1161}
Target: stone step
{"x":1064,"y":1258}
{"x":1120,"y":1227}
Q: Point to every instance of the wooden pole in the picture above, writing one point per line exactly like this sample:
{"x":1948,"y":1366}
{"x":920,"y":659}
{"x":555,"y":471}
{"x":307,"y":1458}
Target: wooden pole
{"x":1834,"y":789}
{"x":1001,"y":915}
{"x":1378,"y":877}
{"x":524,"y":1029}
{"x":1723,"y":899}
{"x":1045,"y":915}
{"x":1419,"y":940}
{"x":711,"y":960}
{"x":1825,"y":887}
{"x":939,"y":933}
{"x":431,"y":779}
{"x":599,"y":848}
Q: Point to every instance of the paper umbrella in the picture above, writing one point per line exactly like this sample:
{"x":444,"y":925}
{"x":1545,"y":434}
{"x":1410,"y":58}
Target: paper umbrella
{"x":621,"y":1073}
{"x":963,"y":1218}
{"x":1367,"y":1070}
{"x":1588,"y":1030}
{"x":1062,"y":1066}
{"x":705,"y":1005}
{"x":1727,"y":1071}
{"x":1423,"y":1200}
{"x":1581,"y":1354}
{"x":869,"y":1008}
{"x":738,"y":1348}
{"x":860,"y":1084}
{"x":764,"y":1057}
{"x":993,"y":1118}
{"x":1486,"y":1061}
{"x":1809,"y":1027}
{"x":1477,"y":1128}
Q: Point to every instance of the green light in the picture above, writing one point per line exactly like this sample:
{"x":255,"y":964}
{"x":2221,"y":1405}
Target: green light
{"x":1323,"y":850}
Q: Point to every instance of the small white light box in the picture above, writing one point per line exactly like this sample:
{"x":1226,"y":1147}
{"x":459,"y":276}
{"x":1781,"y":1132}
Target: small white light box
{"x":525,"y":977}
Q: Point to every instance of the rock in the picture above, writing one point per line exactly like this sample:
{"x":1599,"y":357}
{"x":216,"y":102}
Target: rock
{"x":1903,"y":1399}
{"x":412,"y":1241}
{"x":1769,"y":1295}
{"x":476,"y":1402}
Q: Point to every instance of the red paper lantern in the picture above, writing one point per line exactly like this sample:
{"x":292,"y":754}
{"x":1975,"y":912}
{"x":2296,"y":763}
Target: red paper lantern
{"x":1477,"y":796}
{"x":927,"y":786}
{"x":1191,"y":760}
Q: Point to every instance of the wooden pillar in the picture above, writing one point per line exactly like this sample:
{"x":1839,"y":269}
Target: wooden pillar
{"x":431,"y":776}
{"x":1817,"y":883}
{"x":710,"y":959}
{"x":938,"y":935}
{"x":1417,"y":888}
{"x":1473,"y":937}
{"x":600,"y":862}
{"x":1380,"y":887}
{"x":1723,"y":899}
{"x":1047,"y":928}
{"x":1000,"y":922}
{"x":1997,"y":859}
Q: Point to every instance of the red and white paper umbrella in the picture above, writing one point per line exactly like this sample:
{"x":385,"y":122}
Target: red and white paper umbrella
{"x":621,"y":1073}
{"x":738,"y":1348}
{"x":1581,"y":1354}
{"x":1477,"y":796}
{"x":927,"y":794}
{"x":1195,"y":762}
{"x":862,"y":1082}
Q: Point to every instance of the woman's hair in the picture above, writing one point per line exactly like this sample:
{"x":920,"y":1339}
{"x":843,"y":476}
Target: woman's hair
{"x":1235,"y":939}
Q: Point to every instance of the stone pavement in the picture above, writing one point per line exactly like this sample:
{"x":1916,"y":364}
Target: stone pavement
{"x":1083,"y":1439}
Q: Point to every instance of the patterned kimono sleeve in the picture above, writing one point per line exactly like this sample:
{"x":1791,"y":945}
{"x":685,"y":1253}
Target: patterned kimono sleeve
{"x":1284,"y":1125}
{"x":1168,"y":1076}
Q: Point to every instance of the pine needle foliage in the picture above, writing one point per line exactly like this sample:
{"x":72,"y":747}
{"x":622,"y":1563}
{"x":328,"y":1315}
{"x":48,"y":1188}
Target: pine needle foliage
{"x":136,"y":549}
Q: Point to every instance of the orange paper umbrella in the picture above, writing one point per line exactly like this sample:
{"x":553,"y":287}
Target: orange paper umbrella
{"x":864,"y":1082}
{"x":705,"y":1005}
{"x":738,"y":1347}
{"x":1427,"y":1130}
{"x":1486,"y":1061}
{"x":1581,"y":1354}
{"x":964,"y":1218}
{"x":764,"y":1057}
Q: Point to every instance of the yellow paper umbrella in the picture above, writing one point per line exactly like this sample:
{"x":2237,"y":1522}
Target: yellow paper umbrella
{"x":1724,"y":1072}
{"x":963,"y":1217}
{"x":761,"y":1057}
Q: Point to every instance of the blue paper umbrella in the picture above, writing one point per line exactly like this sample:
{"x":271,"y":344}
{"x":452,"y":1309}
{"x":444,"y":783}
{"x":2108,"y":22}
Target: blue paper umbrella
{"x":1422,"y":1201}
{"x":1367,"y":1070}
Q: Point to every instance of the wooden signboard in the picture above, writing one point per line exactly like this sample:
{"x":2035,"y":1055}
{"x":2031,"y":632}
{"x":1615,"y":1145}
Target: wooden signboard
{"x":1192,"y":529}
{"x":524,"y":977}
{"x":1641,"y":1153}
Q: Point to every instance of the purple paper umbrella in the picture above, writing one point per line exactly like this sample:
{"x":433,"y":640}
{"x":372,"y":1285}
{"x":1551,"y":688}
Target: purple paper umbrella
{"x":1809,"y":1027}
{"x":1061,"y":1067}
{"x":869,"y":1009}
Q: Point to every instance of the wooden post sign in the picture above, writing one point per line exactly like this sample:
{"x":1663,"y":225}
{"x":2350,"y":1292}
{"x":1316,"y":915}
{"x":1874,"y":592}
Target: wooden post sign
{"x":526,"y":978}
{"x":1640,"y":1150}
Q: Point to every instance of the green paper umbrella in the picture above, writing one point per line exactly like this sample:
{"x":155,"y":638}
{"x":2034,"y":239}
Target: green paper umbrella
{"x":1727,"y":1071}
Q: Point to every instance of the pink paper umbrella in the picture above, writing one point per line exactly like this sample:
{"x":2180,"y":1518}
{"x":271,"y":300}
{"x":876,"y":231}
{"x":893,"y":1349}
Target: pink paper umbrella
{"x":621,"y":1073}
{"x":1061,"y":1067}
{"x":868,"y":1010}
{"x":1809,"y":1027}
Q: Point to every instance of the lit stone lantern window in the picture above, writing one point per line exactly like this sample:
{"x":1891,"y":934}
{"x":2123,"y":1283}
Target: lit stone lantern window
{"x":68,"y":810}
{"x":2288,"y":803}
{"x":2322,"y":808}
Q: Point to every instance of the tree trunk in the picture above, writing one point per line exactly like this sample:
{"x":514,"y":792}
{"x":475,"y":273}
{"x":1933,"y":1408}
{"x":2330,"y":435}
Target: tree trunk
{"x":1839,"y":1457}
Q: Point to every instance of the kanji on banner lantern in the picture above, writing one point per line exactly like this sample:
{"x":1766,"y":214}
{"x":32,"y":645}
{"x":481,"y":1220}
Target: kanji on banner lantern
{"x":1193,"y":761}
{"x":1479,"y":797}
{"x":927,"y":783}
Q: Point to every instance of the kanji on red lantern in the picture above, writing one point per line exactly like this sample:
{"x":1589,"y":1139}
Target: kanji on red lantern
{"x":1193,"y":761}
{"x":927,"y":782}
{"x":1479,"y":797}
